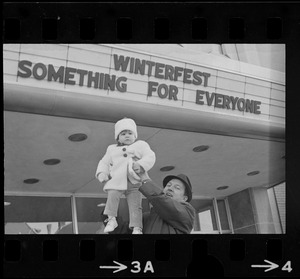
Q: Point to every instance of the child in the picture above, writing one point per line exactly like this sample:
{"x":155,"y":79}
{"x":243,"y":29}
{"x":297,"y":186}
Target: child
{"x":119,"y":167}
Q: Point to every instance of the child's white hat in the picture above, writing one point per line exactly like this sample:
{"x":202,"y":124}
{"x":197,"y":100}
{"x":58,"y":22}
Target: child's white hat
{"x":125,"y":124}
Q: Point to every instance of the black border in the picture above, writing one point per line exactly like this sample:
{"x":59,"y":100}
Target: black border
{"x":180,"y":14}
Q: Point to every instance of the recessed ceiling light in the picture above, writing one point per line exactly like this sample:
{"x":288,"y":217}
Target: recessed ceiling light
{"x":222,"y":187}
{"x":252,"y":173}
{"x":51,"y":162}
{"x":78,"y":137}
{"x":167,"y":168}
{"x":7,"y":203}
{"x":200,"y":148}
{"x":31,"y":181}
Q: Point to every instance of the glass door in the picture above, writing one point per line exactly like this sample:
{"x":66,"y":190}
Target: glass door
{"x":205,"y":221}
{"x":212,"y":217}
{"x":224,"y":216}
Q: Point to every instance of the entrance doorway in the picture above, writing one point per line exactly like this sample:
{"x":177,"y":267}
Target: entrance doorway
{"x":212,"y":217}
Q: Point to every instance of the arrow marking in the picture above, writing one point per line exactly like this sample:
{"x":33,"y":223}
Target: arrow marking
{"x":270,"y":265}
{"x":117,"y":268}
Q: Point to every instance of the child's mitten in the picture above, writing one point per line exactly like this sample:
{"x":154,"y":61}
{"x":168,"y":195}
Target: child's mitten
{"x":102,"y":177}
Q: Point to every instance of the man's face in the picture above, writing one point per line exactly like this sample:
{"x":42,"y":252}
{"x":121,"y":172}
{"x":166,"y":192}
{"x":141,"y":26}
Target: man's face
{"x":126,"y":137}
{"x":176,"y":190}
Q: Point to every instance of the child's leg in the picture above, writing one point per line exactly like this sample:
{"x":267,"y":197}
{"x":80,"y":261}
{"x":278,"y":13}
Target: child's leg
{"x":112,"y":203}
{"x":134,"y":200}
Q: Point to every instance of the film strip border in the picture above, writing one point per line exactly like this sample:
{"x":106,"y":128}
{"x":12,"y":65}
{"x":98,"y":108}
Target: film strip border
{"x":145,"y":22}
{"x":144,"y":256}
{"x":230,"y":255}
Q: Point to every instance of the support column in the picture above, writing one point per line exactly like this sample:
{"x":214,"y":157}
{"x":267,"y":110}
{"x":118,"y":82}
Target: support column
{"x":74,"y":215}
{"x":262,"y":210}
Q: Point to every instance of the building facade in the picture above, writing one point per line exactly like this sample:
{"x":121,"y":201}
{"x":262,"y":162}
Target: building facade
{"x":213,"y":112}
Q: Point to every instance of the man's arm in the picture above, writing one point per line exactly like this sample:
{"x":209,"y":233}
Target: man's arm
{"x":179,"y":215}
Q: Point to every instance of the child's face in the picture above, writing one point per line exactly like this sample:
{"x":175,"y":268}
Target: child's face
{"x":126,"y":137}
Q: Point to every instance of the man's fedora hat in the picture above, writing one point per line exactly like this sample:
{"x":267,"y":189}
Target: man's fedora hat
{"x":184,"y":179}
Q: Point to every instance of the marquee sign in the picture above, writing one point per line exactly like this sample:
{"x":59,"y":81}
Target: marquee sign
{"x":135,"y":66}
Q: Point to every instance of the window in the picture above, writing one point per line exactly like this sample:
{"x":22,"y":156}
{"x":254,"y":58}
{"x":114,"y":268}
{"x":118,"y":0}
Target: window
{"x":89,"y":213}
{"x":37,"y":215}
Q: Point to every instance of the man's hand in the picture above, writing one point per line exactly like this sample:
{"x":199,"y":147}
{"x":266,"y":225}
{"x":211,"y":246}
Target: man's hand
{"x":140,"y":171}
{"x":144,"y":176}
{"x":132,"y":167}
{"x":137,"y":167}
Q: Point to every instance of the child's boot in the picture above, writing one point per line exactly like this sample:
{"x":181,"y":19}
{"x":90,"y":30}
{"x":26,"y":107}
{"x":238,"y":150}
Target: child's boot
{"x":137,"y":230}
{"x":111,"y":224}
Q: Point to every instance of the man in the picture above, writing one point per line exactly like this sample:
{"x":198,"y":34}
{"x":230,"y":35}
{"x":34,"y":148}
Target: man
{"x":171,"y":212}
